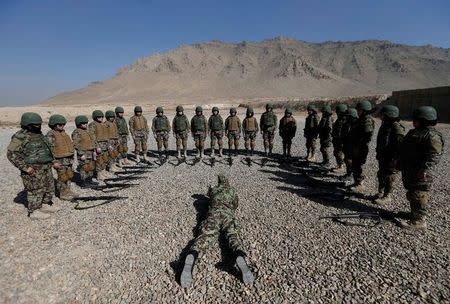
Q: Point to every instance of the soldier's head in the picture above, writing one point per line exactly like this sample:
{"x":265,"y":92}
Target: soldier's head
{"x":223,"y":180}
{"x":288,"y":112}
{"x":110,"y":115}
{"x":81,"y":122}
{"x":57,"y":122}
{"x":119,"y":111}
{"x":97,"y":115}
{"x":269,"y":107}
{"x":138,"y":110}
{"x":180,"y":110}
{"x":363,"y":107}
{"x":198,"y":111}
{"x":249,"y":112}
{"x":424,"y":116}
{"x":233,"y":111}
{"x":215,"y":110}
{"x":326,"y":110}
{"x":341,"y":109}
{"x":352,"y":113}
{"x":31,"y":121}
{"x":159,"y":111}
{"x":389,"y":113}
{"x":311,"y":109}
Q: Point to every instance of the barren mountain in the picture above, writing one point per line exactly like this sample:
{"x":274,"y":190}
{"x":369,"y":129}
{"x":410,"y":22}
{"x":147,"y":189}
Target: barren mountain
{"x":276,"y":68}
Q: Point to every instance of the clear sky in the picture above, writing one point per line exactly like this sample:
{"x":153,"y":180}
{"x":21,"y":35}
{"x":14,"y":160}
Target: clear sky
{"x":50,"y":46}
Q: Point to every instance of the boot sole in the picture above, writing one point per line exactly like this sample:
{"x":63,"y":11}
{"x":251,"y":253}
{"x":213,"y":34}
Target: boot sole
{"x":247,"y":275}
{"x":186,"y":274}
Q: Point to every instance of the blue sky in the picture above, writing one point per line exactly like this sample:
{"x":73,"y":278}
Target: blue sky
{"x":50,"y":46}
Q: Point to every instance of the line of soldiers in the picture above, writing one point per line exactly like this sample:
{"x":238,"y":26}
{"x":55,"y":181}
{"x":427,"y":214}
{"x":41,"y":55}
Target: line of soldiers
{"x":415,"y":154}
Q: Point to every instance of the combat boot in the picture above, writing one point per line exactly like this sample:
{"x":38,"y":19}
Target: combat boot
{"x":49,"y":208}
{"x":146,"y":158}
{"x":247,"y":275}
{"x":201,"y":154}
{"x":186,"y":274}
{"x":38,"y":215}
{"x":413,"y":224}
{"x":65,"y":195}
{"x":338,"y":168}
{"x":198,"y":154}
{"x":138,"y":158}
{"x":101,"y":175}
{"x":212,"y":152}
{"x":358,"y":188}
{"x":185,"y":153}
{"x":179,"y":154}
{"x":113,"y":168}
{"x":382,"y":200}
{"x":220,"y":152}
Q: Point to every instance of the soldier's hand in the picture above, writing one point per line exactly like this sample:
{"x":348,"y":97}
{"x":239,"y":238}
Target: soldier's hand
{"x":98,"y":151}
{"x":30,"y":170}
{"x":56,"y":165}
{"x":83,"y":157}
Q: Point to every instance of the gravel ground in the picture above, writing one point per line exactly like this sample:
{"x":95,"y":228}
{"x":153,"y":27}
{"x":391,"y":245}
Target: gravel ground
{"x":127,"y":250}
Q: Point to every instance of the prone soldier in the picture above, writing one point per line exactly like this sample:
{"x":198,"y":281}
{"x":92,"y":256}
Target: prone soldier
{"x":113,"y":141}
{"x":250,"y":128}
{"x":199,"y":129}
{"x":288,"y":128}
{"x":311,"y":131}
{"x":325,"y":127}
{"x":268,"y":124}
{"x":336,"y":133}
{"x":180,"y":125}
{"x":161,"y":130}
{"x":122,"y":127}
{"x":233,"y":131}
{"x":216,"y":127}
{"x":139,"y":132}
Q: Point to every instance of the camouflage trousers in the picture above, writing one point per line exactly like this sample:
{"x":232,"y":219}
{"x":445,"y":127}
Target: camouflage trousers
{"x":181,"y":138}
{"x":268,"y":137}
{"x":216,"y":135}
{"x":348,"y":165}
{"x":386,"y":175}
{"x":250,"y":140}
{"x":233,"y":139}
{"x":338,"y":152}
{"x":359,"y":160}
{"x":216,"y":222}
{"x":199,"y":139}
{"x":65,"y":174}
{"x":311,"y":145}
{"x":162,"y":139}
{"x":140,"y":145}
{"x":418,"y":201}
{"x":40,"y":186}
{"x":123,"y":145}
{"x":102,"y":159}
{"x":86,"y":167}
{"x":287,"y":143}
{"x":325,"y":149}
{"x":113,"y":150}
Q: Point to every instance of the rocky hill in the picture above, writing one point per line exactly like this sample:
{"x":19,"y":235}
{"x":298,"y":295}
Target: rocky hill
{"x":276,"y":68}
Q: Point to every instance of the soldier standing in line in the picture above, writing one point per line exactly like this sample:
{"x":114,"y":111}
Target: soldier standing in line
{"x":341,"y":112}
{"x":311,"y":131}
{"x":139,"y":132}
{"x":99,"y":132}
{"x":84,"y":144}
{"x":180,"y":125}
{"x":199,"y":129}
{"x":122,"y":126}
{"x":250,"y":128}
{"x":220,"y":218}
{"x":30,"y":152}
{"x":361,"y":134}
{"x":351,"y":117}
{"x":325,"y":127}
{"x":389,"y":139}
{"x":113,"y":141}
{"x":161,"y":129}
{"x":63,"y":152}
{"x":420,"y":153}
{"x":268,"y":124}
{"x":288,"y":128}
{"x":215,"y":125}
{"x":233,"y":131}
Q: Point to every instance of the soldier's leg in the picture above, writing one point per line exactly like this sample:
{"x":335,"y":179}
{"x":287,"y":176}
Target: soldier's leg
{"x":236,"y":141}
{"x":284,"y":142}
{"x":34,"y":194}
{"x":201,"y":144}
{"x":288,"y":147}
{"x":246,"y":141}
{"x":209,"y":231}
{"x":358,"y":176}
{"x":213,"y":143}
{"x":271,"y":139}
{"x":159,"y":143}
{"x":184,"y":142}
{"x":418,"y":201}
{"x":381,"y":175}
{"x":166,"y":142}
{"x":230,"y":143}
{"x":252,"y":143}
{"x":220,"y":142}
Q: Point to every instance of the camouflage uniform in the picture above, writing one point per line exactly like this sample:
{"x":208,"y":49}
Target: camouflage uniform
{"x":122,"y":127}
{"x":139,"y":132}
{"x":113,"y":140}
{"x":347,"y":148}
{"x":250,"y":128}
{"x":180,"y":125}
{"x":233,"y":129}
{"x":199,"y":129}
{"x":216,"y":127}
{"x":336,"y":133}
{"x":32,"y":149}
{"x":325,"y":127}
{"x":288,"y":128}
{"x":311,"y":131}
{"x":99,"y":133}
{"x":268,"y":124}
{"x":161,"y":129}
{"x":84,"y":144}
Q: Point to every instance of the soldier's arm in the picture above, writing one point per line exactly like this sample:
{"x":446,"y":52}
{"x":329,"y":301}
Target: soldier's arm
{"x":187,"y":123}
{"x":147,"y":129}
{"x":256,"y":125}
{"x":367,"y":132}
{"x":131,"y":124}
{"x":399,"y":134}
{"x":76,"y":139}
{"x":153,"y":125}
{"x":226,"y":124}
{"x":206,"y":126}
{"x":235,"y":201}
{"x":239,"y":125}
{"x":209,"y":122}
{"x":433,"y":151}
{"x":169,"y":128}
{"x":14,"y":154}
{"x":276,"y":121}
{"x":192,"y":124}
{"x":51,"y":139}
{"x":295,"y":126}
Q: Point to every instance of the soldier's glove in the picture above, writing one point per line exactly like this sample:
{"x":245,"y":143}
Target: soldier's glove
{"x":98,"y":151}
{"x":30,"y":170}
{"x":56,"y":165}
{"x":83,"y":157}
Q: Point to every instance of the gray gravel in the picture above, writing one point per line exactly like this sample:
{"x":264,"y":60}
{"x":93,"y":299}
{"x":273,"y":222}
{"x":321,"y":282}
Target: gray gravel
{"x":127,"y":250}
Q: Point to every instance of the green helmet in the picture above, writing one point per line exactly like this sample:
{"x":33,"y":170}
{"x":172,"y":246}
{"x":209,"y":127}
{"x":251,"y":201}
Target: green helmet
{"x":364,"y":105}
{"x":352,"y":112}
{"x":425,"y":112}
{"x":97,"y":113}
{"x":326,"y":109}
{"x":311,"y":107}
{"x":233,"y":110}
{"x":56,"y":119}
{"x":119,"y":110}
{"x":180,"y":109}
{"x":390,"y":111}
{"x":214,"y":109}
{"x":341,"y":108}
{"x":81,"y":119}
{"x":30,"y":118}
{"x":269,"y":106}
{"x":137,"y":109}
{"x":110,"y":114}
{"x":198,"y":109}
{"x":250,"y":111}
{"x":288,"y":111}
{"x":159,"y":110}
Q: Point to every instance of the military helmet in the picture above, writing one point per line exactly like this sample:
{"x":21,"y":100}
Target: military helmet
{"x":56,"y":119}
{"x":180,"y":109}
{"x":364,"y":105}
{"x":288,"y":111}
{"x":81,"y":119}
{"x":30,"y":118}
{"x":269,"y":106}
{"x":159,"y":110}
{"x":137,"y":109}
{"x":233,"y":110}
{"x":341,"y":108}
{"x":250,"y":111}
{"x":311,"y":107}
{"x":326,"y":109}
{"x":390,"y":111}
{"x":352,"y":112}
{"x":214,"y":109}
{"x":198,"y":109}
{"x":119,"y":110}
{"x":110,"y":114}
{"x":425,"y":112}
{"x":96,"y":114}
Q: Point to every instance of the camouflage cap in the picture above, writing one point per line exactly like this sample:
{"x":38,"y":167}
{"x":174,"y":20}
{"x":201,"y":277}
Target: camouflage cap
{"x":119,"y":110}
{"x":311,"y":107}
{"x":96,"y":114}
{"x":223,"y":179}
{"x":30,"y":118}
{"x":269,"y":105}
{"x":110,"y":114}
{"x":56,"y":119}
{"x":81,"y":119}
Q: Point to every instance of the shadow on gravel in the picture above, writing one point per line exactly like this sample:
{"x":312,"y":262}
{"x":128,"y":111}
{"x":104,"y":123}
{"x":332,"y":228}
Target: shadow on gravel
{"x":107,"y":199}
{"x":21,"y":198}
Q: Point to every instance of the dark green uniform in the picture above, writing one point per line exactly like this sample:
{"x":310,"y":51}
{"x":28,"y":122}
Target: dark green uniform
{"x":325,"y":127}
{"x":338,"y":144}
{"x":199,"y":129}
{"x":233,"y":129}
{"x":122,"y":127}
{"x":311,"y":132}
{"x":268,"y":125}
{"x":161,"y":129}
{"x":347,"y":147}
{"x":287,"y":130}
{"x":361,"y":135}
{"x":180,"y":125}
{"x":216,"y":128}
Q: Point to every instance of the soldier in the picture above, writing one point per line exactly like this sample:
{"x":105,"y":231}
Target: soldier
{"x":199,"y":129}
{"x":63,"y":152}
{"x":233,"y":131}
{"x":122,"y":127}
{"x":389,"y":139}
{"x":336,"y":133}
{"x":288,"y":128}
{"x":268,"y":123}
{"x":181,"y":128}
{"x":99,"y":132}
{"x":361,"y":134}
{"x":161,"y":130}
{"x":113,"y":141}
{"x":250,"y":128}
{"x":420,"y":153}
{"x":220,"y":218}
{"x":215,"y":125}
{"x":139,"y":132}
{"x":349,"y":122}
{"x":84,"y":144}
{"x":325,"y":127}
{"x":311,"y":131}
{"x":30,"y":152}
